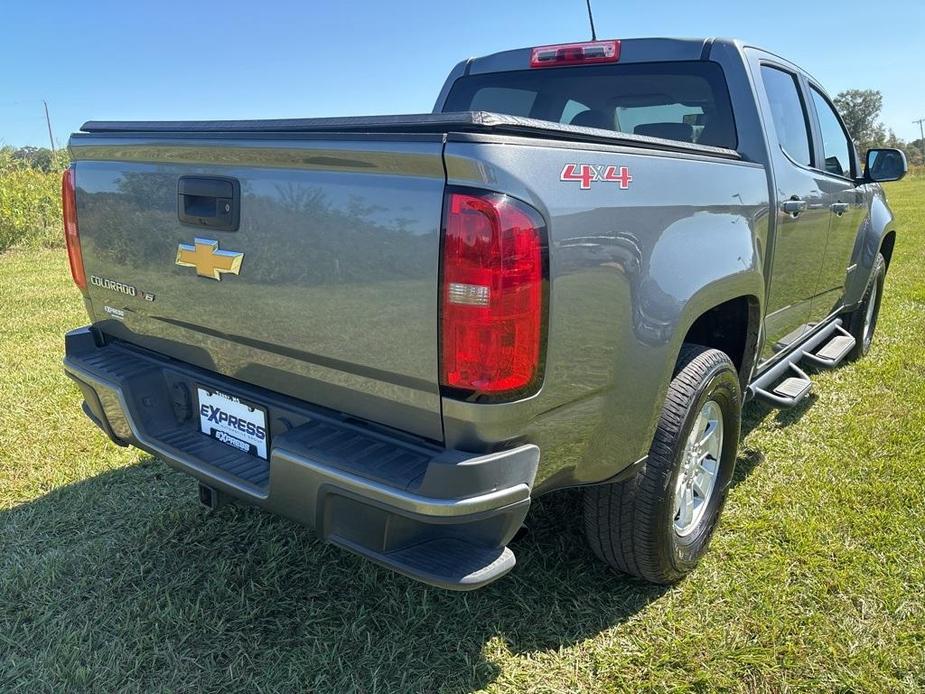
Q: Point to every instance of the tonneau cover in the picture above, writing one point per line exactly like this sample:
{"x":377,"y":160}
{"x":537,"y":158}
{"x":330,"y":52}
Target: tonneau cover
{"x":465,"y":121}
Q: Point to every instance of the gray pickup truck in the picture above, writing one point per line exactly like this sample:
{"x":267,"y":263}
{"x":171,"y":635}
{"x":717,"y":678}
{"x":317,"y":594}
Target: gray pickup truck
{"x":399,"y":330}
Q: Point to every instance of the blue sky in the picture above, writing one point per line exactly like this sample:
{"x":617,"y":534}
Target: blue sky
{"x":273,"y":59}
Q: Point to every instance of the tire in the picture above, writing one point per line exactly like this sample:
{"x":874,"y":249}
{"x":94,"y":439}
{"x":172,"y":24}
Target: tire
{"x":862,"y":322}
{"x":634,"y":525}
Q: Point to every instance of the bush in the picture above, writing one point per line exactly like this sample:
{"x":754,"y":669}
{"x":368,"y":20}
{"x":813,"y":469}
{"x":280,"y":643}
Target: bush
{"x":30,"y":208}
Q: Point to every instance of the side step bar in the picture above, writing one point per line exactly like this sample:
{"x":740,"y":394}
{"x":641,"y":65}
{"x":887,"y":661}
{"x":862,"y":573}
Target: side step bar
{"x":776,"y":387}
{"x":788,"y":392}
{"x":834,"y":351}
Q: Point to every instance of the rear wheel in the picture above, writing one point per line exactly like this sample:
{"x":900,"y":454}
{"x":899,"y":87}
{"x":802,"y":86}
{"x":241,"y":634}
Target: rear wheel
{"x":862,"y":322}
{"x":657,"y":524}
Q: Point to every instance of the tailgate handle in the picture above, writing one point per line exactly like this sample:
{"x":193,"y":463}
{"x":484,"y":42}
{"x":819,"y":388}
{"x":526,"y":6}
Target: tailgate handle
{"x":209,"y":201}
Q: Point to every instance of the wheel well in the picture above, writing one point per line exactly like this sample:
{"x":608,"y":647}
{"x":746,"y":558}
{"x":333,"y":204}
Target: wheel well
{"x":731,"y":327}
{"x":886,"y":246}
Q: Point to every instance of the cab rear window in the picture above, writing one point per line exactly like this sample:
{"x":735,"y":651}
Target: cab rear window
{"x":685,"y":101}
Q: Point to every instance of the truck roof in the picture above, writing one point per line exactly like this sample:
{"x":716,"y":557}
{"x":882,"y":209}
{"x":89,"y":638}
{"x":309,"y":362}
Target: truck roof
{"x":633,"y":50}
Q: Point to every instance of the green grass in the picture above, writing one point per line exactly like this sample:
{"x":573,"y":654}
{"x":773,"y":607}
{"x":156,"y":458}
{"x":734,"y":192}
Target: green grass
{"x":112,"y":578}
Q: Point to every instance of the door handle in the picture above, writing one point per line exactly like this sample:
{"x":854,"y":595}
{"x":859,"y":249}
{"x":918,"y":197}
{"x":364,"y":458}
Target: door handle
{"x":839,"y":208}
{"x":793,"y":206}
{"x":209,"y":201}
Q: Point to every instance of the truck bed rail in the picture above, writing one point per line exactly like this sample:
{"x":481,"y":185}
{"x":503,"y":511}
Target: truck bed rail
{"x":466,"y":121}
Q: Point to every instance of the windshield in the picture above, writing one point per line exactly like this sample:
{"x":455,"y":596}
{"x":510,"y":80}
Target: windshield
{"x":684,"y":101}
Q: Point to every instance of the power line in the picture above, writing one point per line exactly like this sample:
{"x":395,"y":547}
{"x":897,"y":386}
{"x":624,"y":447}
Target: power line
{"x":921,"y":121}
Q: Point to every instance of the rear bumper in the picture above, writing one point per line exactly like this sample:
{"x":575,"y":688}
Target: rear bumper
{"x":437,"y":515}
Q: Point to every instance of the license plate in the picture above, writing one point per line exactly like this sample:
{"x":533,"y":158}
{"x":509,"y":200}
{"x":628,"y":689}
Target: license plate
{"x":232,"y":421}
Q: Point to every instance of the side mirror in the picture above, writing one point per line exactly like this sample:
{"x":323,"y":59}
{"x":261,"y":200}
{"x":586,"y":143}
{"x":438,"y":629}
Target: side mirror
{"x":885,"y":165}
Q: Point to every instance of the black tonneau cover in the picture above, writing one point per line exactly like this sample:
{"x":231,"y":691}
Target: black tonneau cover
{"x":465,"y":121}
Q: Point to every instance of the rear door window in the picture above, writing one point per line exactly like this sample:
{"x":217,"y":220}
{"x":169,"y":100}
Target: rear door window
{"x":788,"y":114}
{"x":686,"y":101}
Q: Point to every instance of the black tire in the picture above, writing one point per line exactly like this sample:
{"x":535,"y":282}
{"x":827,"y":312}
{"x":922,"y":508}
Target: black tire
{"x":631,"y":524}
{"x":856,"y":320}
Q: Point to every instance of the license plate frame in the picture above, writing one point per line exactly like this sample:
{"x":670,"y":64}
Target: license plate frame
{"x":233,"y":421}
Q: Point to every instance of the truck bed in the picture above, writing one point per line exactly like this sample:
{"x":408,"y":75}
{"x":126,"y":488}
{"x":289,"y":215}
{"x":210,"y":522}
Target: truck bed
{"x":336,"y":303}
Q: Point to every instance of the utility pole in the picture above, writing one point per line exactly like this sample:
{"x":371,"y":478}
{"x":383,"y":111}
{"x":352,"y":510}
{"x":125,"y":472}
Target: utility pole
{"x":920,"y":121}
{"x":51,"y":140}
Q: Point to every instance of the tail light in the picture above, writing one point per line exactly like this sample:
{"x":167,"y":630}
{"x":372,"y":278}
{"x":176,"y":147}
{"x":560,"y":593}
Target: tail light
{"x":575,"y":54}
{"x":492,"y":295}
{"x":71,"y":235}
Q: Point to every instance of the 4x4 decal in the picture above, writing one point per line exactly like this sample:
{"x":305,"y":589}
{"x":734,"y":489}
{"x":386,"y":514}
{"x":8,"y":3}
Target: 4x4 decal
{"x":586,"y":174}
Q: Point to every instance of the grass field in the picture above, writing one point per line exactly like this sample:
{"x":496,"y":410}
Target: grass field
{"x":113,"y":578}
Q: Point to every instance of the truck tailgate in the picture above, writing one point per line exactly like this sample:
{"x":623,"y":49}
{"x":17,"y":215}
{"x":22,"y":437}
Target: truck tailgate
{"x":335,"y":300}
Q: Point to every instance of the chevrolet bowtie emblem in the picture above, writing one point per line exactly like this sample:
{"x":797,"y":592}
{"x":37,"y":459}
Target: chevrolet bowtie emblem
{"x":208,"y":260}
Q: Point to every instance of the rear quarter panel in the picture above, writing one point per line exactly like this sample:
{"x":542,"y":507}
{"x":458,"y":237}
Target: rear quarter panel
{"x":630,"y":271}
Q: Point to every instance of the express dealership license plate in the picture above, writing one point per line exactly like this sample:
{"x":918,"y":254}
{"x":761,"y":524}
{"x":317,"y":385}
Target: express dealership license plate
{"x":232,"y":421}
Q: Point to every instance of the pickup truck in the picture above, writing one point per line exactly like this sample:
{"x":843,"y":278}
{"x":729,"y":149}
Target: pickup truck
{"x":399,"y":330}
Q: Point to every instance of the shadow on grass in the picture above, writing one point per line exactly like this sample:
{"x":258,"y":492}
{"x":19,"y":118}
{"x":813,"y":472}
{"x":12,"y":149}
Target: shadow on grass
{"x":168,"y":595}
{"x":754,"y":413}
{"x":124,"y":581}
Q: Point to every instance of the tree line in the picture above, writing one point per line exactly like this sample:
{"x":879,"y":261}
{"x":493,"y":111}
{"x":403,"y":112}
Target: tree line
{"x":860,"y":109}
{"x":36,"y":158}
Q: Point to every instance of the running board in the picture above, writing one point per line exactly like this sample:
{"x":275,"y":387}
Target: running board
{"x":788,"y":392}
{"x":833,"y":352}
{"x":785,"y":384}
